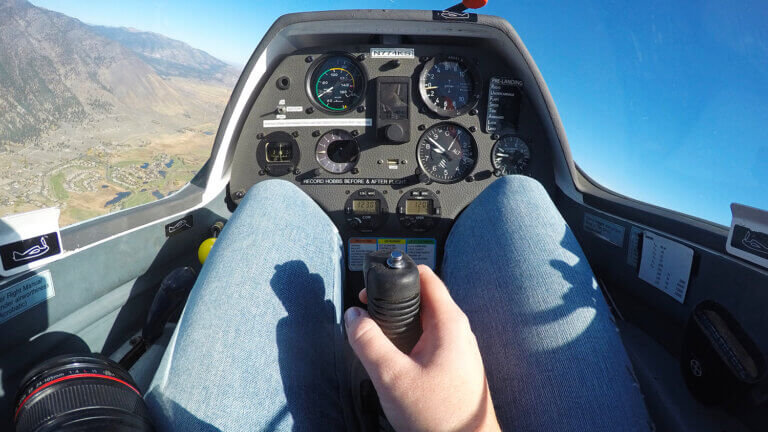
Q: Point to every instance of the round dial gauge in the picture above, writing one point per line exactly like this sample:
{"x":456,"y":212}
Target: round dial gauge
{"x":447,"y":153}
{"x":449,"y":86}
{"x":337,"y":151}
{"x":511,"y":155}
{"x":336,"y":83}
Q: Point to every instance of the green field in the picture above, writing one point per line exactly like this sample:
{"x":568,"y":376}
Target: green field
{"x":57,"y":183}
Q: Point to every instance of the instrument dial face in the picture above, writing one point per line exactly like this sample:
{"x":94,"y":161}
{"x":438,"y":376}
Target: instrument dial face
{"x":279,"y":151}
{"x":278,"y":154}
{"x":449,"y":87}
{"x":337,"y":83}
{"x":511,"y":155}
{"x":447,"y":153}
{"x":337,"y":151}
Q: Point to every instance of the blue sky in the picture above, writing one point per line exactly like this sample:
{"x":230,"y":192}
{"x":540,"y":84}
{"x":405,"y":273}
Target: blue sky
{"x":666,"y":102}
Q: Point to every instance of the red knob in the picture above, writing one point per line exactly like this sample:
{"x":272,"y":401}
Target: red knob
{"x":474,"y":4}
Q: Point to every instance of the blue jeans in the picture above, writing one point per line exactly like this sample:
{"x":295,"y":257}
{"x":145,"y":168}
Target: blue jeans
{"x":260,"y":345}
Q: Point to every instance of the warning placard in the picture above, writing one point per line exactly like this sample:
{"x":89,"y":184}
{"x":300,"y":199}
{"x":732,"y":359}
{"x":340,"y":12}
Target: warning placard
{"x":25,"y":294}
{"x":422,"y":250}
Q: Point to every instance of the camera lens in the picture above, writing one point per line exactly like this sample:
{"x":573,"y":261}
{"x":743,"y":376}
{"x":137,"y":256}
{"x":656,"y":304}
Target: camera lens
{"x":81,"y":393}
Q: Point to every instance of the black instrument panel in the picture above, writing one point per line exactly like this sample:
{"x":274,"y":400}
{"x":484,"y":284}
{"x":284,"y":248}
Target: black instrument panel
{"x":401,"y":154}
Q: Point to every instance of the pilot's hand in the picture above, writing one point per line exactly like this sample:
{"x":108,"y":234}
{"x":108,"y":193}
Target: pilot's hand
{"x":441,"y":386}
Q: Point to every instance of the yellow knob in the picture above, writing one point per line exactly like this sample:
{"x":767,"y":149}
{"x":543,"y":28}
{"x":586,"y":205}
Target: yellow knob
{"x":205,"y":249}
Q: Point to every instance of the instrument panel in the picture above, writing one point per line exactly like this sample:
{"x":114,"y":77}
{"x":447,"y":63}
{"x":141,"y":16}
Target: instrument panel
{"x":392,"y":142}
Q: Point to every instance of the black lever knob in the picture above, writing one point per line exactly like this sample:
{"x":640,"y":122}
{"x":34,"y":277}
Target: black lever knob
{"x":395,"y":133}
{"x":394,"y":296}
{"x":172,"y":293}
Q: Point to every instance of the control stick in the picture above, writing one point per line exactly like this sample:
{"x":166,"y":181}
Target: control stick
{"x":394,"y":296}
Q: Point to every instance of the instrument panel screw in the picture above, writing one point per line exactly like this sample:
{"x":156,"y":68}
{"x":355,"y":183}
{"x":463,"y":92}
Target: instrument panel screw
{"x":315,"y":133}
{"x":497,"y":172}
{"x":309,"y":59}
{"x":424,"y":58}
{"x":310,"y":110}
{"x":361,"y":108}
{"x":422,"y":127}
{"x":403,"y":162}
{"x":495,"y":136}
{"x":295,"y":134}
{"x":296,"y":171}
{"x":470,"y":179}
{"x":260,"y":136}
{"x":379,"y":161}
{"x":473,"y":111}
{"x":361,"y":57}
{"x":239,"y":194}
{"x":261,"y":173}
{"x":355,"y":133}
{"x":472,"y":129}
{"x":346,"y":191}
{"x":355,"y":171}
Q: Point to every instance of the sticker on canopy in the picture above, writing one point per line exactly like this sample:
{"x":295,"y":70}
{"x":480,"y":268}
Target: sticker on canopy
{"x":445,"y":15}
{"x":748,"y":237}
{"x":179,"y":226}
{"x":605,"y":229}
{"x":25,"y":294}
{"x":666,"y":264}
{"x":633,"y":248}
{"x":421,"y":250}
{"x":29,"y":240}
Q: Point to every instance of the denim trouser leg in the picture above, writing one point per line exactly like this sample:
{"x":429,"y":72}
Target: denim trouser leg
{"x":552,"y":354}
{"x":259,"y":344}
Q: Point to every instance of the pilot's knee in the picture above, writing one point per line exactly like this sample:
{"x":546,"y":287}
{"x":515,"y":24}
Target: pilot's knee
{"x":519,"y":185}
{"x":272,"y":189}
{"x":521,"y":198}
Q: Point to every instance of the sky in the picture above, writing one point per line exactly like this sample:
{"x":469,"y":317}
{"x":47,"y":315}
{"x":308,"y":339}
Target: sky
{"x":665,"y":102}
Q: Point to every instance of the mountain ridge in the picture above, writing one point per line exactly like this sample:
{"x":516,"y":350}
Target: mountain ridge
{"x":170,"y":57}
{"x":55,"y":69}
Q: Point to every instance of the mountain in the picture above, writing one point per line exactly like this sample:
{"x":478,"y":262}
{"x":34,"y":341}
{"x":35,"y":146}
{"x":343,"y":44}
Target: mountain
{"x":54,"y":69}
{"x":169,"y":57}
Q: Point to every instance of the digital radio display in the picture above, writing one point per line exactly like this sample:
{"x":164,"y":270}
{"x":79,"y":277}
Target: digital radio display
{"x":418,"y":207}
{"x":365,"y":206}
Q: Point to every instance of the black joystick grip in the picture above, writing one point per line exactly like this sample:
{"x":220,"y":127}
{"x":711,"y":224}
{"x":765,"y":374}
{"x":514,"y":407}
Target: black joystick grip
{"x":394,"y":296}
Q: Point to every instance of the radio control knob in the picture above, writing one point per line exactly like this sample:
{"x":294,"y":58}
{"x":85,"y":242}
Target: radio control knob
{"x":394,"y":133}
